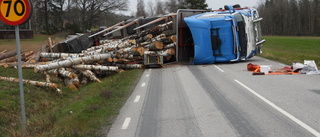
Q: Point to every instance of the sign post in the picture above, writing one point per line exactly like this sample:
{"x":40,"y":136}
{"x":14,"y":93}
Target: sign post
{"x":16,"y":12}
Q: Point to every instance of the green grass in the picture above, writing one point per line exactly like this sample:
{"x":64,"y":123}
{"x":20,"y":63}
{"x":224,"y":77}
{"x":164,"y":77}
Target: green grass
{"x":292,"y":49}
{"x":81,"y":113}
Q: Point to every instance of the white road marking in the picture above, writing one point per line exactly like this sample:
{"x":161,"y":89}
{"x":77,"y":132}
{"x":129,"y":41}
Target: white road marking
{"x":137,"y":99}
{"x":126,"y":123}
{"x":143,"y":84}
{"x":299,"y":122}
{"x":218,"y":68}
{"x":147,"y":75}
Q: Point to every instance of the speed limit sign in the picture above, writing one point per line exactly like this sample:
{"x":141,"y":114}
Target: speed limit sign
{"x":15,"y":12}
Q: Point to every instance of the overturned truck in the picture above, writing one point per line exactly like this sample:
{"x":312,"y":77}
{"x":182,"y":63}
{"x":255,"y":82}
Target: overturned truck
{"x":231,"y":34}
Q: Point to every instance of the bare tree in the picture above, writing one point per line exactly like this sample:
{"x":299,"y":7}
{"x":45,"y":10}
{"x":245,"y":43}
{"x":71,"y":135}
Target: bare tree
{"x":193,"y":4}
{"x":90,"y":10}
{"x":151,"y":9}
{"x":171,"y":5}
{"x":160,"y":8}
{"x":140,"y":8}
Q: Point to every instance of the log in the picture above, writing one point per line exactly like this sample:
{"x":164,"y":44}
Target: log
{"x":24,"y":64}
{"x":130,"y":66}
{"x":13,"y":59}
{"x":8,"y":54}
{"x":73,"y":84}
{"x":50,"y":45}
{"x":124,"y":44}
{"x":121,"y":60}
{"x":35,"y":83}
{"x":96,"y":67}
{"x":90,"y":75}
{"x":84,"y":81}
{"x":145,"y":38}
{"x":168,"y":46}
{"x":136,"y":51}
{"x":158,"y":38}
{"x":157,"y":45}
{"x":167,"y":52}
{"x":3,"y":51}
{"x":154,"y":31}
{"x":125,"y":56}
{"x":72,"y":61}
{"x":47,"y":76}
{"x":63,"y":72}
{"x":29,"y":53}
{"x":168,"y":40}
{"x":60,"y":55}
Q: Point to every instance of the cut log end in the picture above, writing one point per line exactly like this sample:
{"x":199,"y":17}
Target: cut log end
{"x":173,"y":38}
{"x":73,"y":87}
{"x":110,"y":59}
{"x":120,"y":70}
{"x":158,"y":45}
{"x":36,"y":70}
{"x":140,"y":50}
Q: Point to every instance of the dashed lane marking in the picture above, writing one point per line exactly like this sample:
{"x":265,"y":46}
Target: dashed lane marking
{"x":126,"y":123}
{"x":299,"y":122}
{"x":143,"y":84}
{"x":137,"y":99}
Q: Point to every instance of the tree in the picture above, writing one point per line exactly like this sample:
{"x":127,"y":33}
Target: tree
{"x":193,"y":4}
{"x":151,"y":10}
{"x":90,"y":10}
{"x":171,"y":6}
{"x":140,"y":9}
{"x":160,"y":8}
{"x":290,"y":17}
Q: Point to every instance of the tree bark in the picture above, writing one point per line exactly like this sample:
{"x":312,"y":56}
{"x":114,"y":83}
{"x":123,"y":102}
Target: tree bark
{"x":157,"y":45}
{"x":130,"y":66}
{"x":96,"y":67}
{"x":60,"y":55}
{"x":63,"y":72}
{"x":90,"y":75}
{"x":71,"y":61}
{"x":13,"y":59}
{"x":167,"y":52}
{"x":73,"y":84}
{"x":8,"y":54}
{"x":35,"y":83}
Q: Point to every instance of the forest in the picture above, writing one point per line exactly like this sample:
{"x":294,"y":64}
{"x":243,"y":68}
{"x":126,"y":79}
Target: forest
{"x":280,"y":17}
{"x":290,"y":17}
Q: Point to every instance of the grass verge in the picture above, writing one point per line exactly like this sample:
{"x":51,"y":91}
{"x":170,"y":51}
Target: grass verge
{"x":30,"y":44}
{"x":292,"y":49}
{"x":80,"y":113}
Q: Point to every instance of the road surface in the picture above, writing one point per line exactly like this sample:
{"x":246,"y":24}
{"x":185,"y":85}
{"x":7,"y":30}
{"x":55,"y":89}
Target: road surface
{"x":220,"y":100}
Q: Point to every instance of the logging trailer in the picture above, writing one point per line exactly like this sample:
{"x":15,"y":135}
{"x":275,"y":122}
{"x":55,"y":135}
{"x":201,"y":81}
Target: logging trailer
{"x":231,"y":34}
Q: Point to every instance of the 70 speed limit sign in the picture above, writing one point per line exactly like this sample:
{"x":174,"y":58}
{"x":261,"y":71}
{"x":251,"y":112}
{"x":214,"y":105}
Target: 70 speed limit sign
{"x":15,"y":12}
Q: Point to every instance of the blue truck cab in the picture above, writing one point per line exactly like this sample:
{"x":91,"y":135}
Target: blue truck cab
{"x":229,"y":35}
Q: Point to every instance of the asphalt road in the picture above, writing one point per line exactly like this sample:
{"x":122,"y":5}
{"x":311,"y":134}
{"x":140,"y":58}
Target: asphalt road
{"x":220,"y":100}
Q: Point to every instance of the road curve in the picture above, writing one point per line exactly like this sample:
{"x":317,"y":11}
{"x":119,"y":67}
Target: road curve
{"x":220,"y":100}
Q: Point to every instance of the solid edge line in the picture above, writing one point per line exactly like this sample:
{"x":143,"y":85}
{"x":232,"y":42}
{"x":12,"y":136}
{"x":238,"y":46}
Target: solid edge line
{"x":218,"y":68}
{"x":299,"y":122}
{"x":126,"y":123}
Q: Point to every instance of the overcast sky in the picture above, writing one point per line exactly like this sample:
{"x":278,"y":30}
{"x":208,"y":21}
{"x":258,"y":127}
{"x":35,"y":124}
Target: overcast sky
{"x":214,"y":4}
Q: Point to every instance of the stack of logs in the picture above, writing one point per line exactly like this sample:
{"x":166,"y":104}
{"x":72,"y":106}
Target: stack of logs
{"x":112,"y":56}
